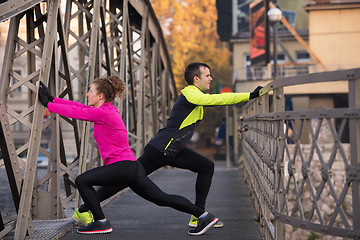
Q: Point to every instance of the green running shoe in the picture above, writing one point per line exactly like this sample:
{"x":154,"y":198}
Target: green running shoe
{"x":84,"y":218}
{"x":194,"y":222}
{"x":204,"y":224}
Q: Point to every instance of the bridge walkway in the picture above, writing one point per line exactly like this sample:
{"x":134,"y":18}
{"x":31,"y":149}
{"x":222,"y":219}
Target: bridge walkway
{"x":135,"y":218}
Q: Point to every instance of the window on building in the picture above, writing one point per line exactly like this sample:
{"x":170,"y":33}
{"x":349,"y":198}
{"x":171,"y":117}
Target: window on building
{"x":303,"y":57}
{"x":253,"y":72}
{"x":280,"y":60}
{"x":260,"y":72}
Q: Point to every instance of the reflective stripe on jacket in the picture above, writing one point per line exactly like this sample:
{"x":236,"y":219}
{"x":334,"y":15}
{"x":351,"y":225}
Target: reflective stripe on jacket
{"x":186,"y":115}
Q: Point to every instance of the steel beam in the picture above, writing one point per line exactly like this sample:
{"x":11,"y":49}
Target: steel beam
{"x":67,"y":52}
{"x":12,"y":8}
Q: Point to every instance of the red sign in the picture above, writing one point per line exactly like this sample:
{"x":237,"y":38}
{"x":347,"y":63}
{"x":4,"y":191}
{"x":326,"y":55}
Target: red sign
{"x":225,"y":90}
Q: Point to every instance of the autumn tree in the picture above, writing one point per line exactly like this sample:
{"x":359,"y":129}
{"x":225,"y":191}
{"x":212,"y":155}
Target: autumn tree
{"x":189,"y":27}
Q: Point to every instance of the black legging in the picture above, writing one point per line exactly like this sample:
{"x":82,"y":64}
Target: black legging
{"x":152,"y":159}
{"x":133,"y":174}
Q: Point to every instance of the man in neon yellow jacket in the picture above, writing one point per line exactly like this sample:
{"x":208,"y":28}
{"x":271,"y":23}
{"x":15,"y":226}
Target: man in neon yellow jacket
{"x":168,"y":146}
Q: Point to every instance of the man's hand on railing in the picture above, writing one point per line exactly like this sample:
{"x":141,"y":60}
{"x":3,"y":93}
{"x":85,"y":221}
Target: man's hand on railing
{"x":255,"y":93}
{"x":241,"y":130}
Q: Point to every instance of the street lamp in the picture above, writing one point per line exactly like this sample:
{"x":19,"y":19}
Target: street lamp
{"x":274,"y":16}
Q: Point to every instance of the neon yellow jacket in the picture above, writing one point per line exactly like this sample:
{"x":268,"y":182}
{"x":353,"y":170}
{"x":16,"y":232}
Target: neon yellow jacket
{"x":186,"y":115}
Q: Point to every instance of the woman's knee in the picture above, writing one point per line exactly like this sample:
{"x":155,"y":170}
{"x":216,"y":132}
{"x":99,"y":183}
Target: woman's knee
{"x":80,"y":181}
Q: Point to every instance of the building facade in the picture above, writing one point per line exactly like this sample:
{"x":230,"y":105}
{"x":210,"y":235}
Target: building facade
{"x":327,"y":28}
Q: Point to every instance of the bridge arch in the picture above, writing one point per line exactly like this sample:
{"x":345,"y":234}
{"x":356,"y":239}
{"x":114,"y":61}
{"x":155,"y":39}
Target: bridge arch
{"x":66,"y":45}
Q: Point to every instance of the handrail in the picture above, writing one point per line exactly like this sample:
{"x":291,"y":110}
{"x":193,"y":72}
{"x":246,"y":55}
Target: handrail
{"x":308,"y":184}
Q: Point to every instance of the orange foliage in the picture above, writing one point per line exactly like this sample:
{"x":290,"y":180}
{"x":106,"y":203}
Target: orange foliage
{"x":189,"y":27}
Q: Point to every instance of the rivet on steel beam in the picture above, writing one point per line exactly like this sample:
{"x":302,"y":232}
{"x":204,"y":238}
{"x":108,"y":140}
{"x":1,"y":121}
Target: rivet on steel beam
{"x":350,"y":74}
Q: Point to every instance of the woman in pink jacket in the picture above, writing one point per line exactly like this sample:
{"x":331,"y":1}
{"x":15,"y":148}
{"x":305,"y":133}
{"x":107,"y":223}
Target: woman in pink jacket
{"x":120,"y":163}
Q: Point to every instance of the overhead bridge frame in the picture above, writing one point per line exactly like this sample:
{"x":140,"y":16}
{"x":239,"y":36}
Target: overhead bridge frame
{"x":66,"y":45}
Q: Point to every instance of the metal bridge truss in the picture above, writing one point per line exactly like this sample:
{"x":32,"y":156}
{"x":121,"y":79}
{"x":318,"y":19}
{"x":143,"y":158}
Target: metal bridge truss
{"x":66,"y":45}
{"x":314,"y":186}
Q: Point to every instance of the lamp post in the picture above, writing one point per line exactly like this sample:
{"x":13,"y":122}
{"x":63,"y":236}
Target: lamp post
{"x":274,"y":16}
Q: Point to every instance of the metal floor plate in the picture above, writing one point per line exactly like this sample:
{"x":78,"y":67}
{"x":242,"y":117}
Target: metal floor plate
{"x":48,"y":229}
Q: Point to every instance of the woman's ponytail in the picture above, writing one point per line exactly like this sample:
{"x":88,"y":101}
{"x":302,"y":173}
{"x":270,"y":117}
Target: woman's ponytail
{"x":110,"y":87}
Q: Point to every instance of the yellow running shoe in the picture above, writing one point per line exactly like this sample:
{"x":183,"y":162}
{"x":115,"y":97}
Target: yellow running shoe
{"x":194,"y":222}
{"x":84,"y":218}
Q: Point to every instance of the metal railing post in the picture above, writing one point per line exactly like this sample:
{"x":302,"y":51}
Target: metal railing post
{"x":279,"y":106}
{"x":354,"y":102}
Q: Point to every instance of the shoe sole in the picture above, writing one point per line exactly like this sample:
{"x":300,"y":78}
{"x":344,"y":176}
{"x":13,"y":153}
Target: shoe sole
{"x":205,"y":229}
{"x":215,"y":226}
{"x":78,"y":221}
{"x":96,"y":232}
{"x":218,"y":226}
{"x":192,"y":225}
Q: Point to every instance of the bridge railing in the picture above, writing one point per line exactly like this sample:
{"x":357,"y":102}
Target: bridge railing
{"x":301,"y":172}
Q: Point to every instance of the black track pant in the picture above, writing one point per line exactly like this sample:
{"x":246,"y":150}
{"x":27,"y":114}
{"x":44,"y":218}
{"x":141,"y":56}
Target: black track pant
{"x":152,"y":159}
{"x":133,"y":174}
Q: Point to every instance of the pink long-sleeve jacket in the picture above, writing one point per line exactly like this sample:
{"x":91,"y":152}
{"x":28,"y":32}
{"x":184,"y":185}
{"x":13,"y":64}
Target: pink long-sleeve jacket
{"x":109,"y":129}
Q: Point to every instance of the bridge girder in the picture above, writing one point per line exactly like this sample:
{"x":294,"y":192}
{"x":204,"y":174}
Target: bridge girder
{"x":66,"y":45}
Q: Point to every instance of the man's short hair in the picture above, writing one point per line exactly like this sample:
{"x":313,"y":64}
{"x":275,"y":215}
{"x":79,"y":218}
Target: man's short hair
{"x":192,"y":70}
